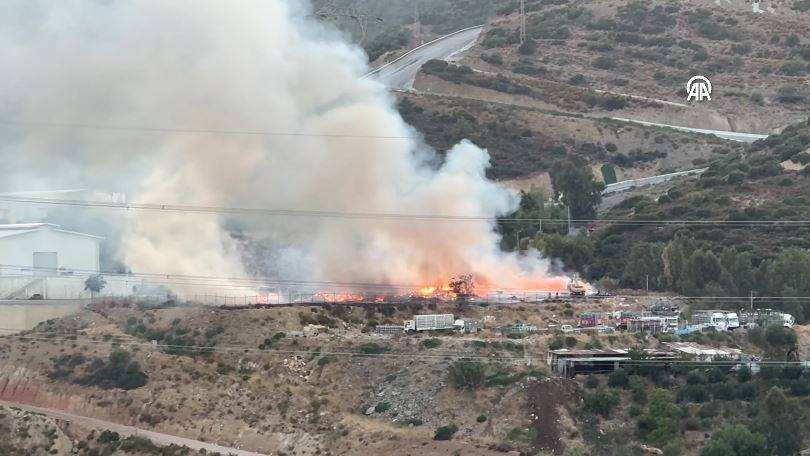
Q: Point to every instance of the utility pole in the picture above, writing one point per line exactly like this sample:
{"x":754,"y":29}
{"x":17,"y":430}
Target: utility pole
{"x":417,"y":22}
{"x":752,"y":300}
{"x":567,"y":207}
{"x":522,"y":21}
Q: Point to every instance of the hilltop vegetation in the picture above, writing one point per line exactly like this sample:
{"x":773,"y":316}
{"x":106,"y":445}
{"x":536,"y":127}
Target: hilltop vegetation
{"x":643,"y":48}
{"x":707,"y":259}
{"x":524,"y":141}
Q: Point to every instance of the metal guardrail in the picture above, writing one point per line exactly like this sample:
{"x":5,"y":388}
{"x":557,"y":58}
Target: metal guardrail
{"x":652,"y":180}
{"x":421,"y":46}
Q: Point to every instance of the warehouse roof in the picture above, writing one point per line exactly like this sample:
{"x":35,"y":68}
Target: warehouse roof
{"x":16,"y":229}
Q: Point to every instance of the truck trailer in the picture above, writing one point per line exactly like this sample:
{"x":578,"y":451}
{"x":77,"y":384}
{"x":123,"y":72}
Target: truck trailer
{"x":430,"y":322}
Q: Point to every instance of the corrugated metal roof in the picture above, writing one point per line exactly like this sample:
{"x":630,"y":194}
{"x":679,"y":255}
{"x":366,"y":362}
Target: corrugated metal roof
{"x":16,"y":229}
{"x":9,"y":233}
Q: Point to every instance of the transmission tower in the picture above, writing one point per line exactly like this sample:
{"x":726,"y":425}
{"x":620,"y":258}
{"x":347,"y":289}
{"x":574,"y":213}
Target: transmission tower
{"x":522,"y":21}
{"x":417,"y":22}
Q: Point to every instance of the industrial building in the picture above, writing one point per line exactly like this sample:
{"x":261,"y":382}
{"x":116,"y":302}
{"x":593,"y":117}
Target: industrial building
{"x":569,"y":363}
{"x":30,"y":252}
{"x":44,"y":249}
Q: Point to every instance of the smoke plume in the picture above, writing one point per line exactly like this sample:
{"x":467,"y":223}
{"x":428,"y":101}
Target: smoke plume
{"x":228,"y":71}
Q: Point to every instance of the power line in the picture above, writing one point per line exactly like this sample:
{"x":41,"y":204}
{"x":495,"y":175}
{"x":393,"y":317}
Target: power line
{"x":433,"y":355}
{"x":167,"y":207}
{"x":145,"y":129}
{"x":359,"y":287}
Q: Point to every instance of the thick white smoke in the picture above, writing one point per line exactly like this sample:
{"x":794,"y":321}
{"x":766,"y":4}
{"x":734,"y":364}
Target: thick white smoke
{"x":249,"y":66}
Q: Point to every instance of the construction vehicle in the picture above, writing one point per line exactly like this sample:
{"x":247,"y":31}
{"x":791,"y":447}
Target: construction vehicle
{"x":464,"y":288}
{"x":430,"y":322}
{"x":576,"y":288}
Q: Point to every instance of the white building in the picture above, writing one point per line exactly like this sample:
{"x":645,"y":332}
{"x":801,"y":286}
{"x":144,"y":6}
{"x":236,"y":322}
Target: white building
{"x":45,"y":249}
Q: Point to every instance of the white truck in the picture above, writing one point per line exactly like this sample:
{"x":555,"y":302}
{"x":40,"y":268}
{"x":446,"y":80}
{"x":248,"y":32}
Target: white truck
{"x":430,"y":322}
{"x":732,"y":321}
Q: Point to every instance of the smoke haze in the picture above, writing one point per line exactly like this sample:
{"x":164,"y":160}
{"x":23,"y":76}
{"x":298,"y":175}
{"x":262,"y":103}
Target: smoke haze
{"x":255,"y":66}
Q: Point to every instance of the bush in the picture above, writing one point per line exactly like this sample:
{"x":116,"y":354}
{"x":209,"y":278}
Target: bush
{"x":108,"y":437}
{"x":382,"y":407}
{"x":445,"y":432}
{"x":577,"y":79}
{"x":744,"y":374}
{"x":570,"y":342}
{"x":494,"y":58}
{"x":613,"y":103}
{"x":120,"y":371}
{"x":371,"y":349}
{"x":604,"y":63}
{"x":528,"y":47}
{"x":592,"y":382}
{"x":467,"y":374}
{"x":556,"y":343}
{"x":601,"y":402}
{"x":481,"y":418}
{"x":619,"y":379}
{"x":431,"y":343}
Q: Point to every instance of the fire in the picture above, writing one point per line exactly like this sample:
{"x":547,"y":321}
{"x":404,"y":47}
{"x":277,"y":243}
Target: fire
{"x":339,"y":297}
{"x":434,"y":291}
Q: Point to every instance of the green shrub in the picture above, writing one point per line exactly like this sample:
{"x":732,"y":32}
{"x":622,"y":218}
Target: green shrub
{"x":107,"y":436}
{"x":619,"y":379}
{"x":592,"y":382}
{"x":604,"y":63}
{"x":467,"y":374}
{"x":371,"y":348}
{"x":481,"y":418}
{"x":120,"y":371}
{"x":601,"y":402}
{"x":431,"y":343}
{"x":445,"y":432}
{"x":382,"y":407}
{"x":570,"y":342}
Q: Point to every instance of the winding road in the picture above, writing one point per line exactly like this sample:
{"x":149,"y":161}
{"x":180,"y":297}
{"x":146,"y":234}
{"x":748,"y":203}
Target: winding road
{"x":730,"y":135}
{"x":156,"y":437}
{"x":400,"y":73}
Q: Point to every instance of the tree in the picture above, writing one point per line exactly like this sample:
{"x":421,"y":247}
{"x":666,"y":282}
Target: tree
{"x":601,"y":402}
{"x":735,"y":440}
{"x":95,"y":284}
{"x":574,"y":184}
{"x":779,"y":420}
{"x":661,"y":423}
{"x":643,"y":262}
{"x":466,"y":374}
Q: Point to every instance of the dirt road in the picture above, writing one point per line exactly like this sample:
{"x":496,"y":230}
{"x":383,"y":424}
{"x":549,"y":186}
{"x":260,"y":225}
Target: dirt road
{"x":156,"y":437}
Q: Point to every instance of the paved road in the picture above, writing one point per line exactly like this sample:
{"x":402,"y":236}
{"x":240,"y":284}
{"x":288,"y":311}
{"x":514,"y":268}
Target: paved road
{"x":731,"y":135}
{"x":401,"y":72}
{"x":652,"y":180}
{"x":156,"y":437}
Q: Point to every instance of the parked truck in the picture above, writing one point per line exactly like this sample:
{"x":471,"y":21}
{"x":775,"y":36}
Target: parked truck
{"x":718,"y":319}
{"x":430,"y":322}
{"x":576,"y":288}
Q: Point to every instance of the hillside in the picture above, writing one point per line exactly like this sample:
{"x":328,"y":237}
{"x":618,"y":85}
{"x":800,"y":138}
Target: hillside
{"x":265,"y":383}
{"x":587,"y":62}
{"x":758,"y":63}
{"x":524,"y":141}
{"x":731,"y":257}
